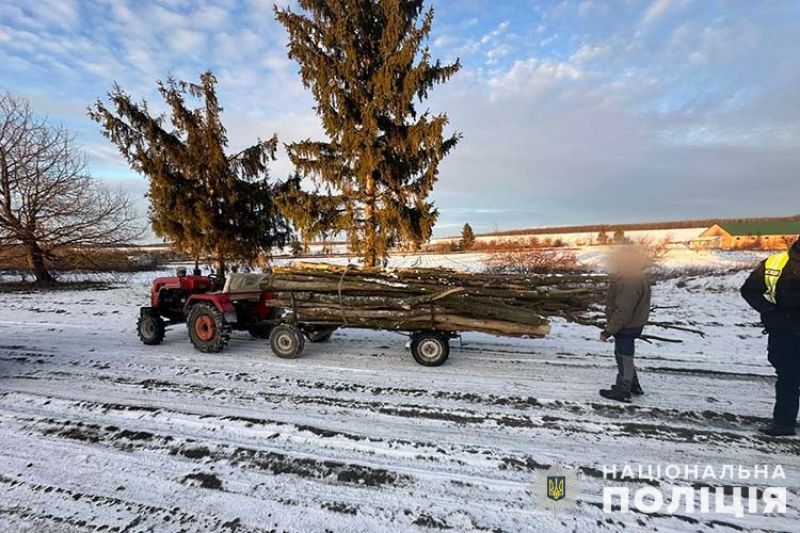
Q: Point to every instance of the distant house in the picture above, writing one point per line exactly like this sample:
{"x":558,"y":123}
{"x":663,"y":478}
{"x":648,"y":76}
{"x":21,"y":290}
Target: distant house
{"x":765,"y":235}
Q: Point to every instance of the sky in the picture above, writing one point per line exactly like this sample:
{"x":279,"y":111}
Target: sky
{"x":572,"y":112}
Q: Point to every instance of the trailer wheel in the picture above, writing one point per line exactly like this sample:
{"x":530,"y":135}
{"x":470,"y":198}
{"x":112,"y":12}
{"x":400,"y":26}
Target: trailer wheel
{"x":430,"y":348}
{"x":208,"y":329}
{"x":150,"y":328}
{"x":287,"y":342}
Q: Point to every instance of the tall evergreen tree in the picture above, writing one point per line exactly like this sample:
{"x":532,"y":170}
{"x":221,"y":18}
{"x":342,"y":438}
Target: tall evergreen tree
{"x":207,"y":202}
{"x":366,"y":64}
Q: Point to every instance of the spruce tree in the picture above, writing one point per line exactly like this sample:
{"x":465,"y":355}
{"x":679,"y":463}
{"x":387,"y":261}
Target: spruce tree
{"x":207,"y":202}
{"x":467,"y":237}
{"x":366,"y":64}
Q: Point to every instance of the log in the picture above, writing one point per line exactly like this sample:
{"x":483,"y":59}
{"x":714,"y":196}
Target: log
{"x":421,"y":299}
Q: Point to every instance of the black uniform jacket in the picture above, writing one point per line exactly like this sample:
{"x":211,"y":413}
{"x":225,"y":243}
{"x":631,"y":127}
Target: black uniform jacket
{"x":785,"y":313}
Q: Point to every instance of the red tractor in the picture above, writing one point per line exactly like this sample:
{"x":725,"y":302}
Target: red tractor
{"x":212,"y":307}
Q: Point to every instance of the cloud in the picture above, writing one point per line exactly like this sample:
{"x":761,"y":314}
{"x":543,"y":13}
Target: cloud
{"x":186,"y":42}
{"x":585,"y":7}
{"x":533,"y":76}
{"x":548,"y":40}
{"x":575,"y":158}
{"x":589,"y":53}
{"x":656,"y":10}
{"x":672,"y":123}
{"x":62,"y":14}
{"x":497,"y":52}
{"x":443,"y":41}
{"x":166,"y":18}
{"x":495,"y":33}
{"x":659,"y":8}
{"x":210,"y":17}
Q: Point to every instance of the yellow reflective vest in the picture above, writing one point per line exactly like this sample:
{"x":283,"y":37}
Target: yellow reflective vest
{"x":773,"y":269}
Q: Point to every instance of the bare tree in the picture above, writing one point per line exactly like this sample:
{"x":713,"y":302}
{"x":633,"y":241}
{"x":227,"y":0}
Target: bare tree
{"x":523,"y":260}
{"x":48,"y":200}
{"x":653,"y":250}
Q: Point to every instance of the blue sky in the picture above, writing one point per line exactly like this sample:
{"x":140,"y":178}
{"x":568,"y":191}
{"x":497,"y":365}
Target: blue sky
{"x":572,"y":111}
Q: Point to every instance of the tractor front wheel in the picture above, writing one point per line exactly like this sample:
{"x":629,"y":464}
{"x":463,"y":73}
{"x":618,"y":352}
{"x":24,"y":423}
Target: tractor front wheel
{"x":150,"y":328}
{"x":208,"y":330}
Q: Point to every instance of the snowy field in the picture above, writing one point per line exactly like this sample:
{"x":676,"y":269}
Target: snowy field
{"x":101,"y":433}
{"x":679,"y":257}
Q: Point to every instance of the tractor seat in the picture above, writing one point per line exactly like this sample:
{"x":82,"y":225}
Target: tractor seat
{"x":243,"y":286}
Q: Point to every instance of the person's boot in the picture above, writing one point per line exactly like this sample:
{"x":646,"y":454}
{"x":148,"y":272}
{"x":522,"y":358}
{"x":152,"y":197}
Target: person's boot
{"x":618,"y":383}
{"x":778,"y":430}
{"x":636,"y":388}
{"x":620,"y":392}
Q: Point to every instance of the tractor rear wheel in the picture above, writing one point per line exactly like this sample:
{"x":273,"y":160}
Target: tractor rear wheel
{"x":287,"y":342}
{"x":150,"y":328}
{"x":208,"y":329}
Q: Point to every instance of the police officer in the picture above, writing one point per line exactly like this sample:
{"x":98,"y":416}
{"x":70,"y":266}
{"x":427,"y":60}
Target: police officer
{"x":773,"y":289}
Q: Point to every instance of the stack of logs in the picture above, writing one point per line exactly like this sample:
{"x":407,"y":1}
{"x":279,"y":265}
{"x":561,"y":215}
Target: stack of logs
{"x":419,"y":299}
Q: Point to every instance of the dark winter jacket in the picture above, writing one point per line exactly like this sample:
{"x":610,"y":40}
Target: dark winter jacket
{"x":627,"y":303}
{"x":784,"y":315}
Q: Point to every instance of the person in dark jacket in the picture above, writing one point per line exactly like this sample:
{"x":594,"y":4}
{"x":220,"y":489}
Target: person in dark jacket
{"x":627,"y":312}
{"x":773,"y":289}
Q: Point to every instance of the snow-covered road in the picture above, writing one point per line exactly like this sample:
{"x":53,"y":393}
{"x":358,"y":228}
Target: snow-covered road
{"x":100,"y":432}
